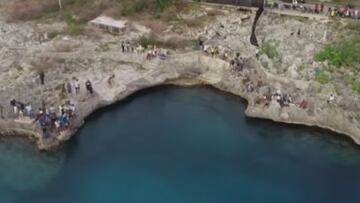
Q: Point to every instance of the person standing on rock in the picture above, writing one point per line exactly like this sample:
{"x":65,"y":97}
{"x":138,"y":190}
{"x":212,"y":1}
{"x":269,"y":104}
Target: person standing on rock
{"x":29,"y":111}
{"x":42,"y":77}
{"x":201,"y":44}
{"x":89,"y":87}
{"x":122,"y":47}
{"x":69,"y":88}
{"x":13,"y":103}
{"x":322,"y":8}
{"x":77,"y":86}
{"x":331,"y":99}
{"x":110,"y":80}
{"x":44,"y":121}
{"x":257,"y":53}
{"x":1,"y":112}
{"x":52,"y":115}
{"x":61,"y":110}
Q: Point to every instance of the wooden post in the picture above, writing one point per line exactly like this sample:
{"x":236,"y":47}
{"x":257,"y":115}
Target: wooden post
{"x":60,"y":5}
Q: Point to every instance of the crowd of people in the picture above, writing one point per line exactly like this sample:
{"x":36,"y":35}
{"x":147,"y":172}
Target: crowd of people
{"x":154,"y":52}
{"x":126,"y":47}
{"x":49,"y":119}
{"x":211,"y":50}
{"x":239,"y":69}
{"x":55,"y":122}
{"x":283,"y":99}
{"x":237,"y":63}
{"x":151,"y":51}
{"x":320,"y":8}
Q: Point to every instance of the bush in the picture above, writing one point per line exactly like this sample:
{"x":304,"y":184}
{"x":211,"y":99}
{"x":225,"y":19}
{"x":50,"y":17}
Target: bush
{"x":270,"y":49}
{"x":323,"y":78}
{"x":349,"y":80}
{"x":196,"y":22}
{"x":131,"y":7}
{"x":341,"y":54}
{"x":74,"y":27}
{"x":53,"y":34}
{"x":163,"y":4}
{"x":356,"y":87}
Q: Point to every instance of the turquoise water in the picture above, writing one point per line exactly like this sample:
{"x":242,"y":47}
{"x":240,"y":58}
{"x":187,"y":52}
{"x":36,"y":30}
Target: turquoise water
{"x":183,"y":145}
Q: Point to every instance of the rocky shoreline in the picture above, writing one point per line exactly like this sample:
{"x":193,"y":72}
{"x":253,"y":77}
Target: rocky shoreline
{"x":96,"y":58}
{"x":196,"y":69}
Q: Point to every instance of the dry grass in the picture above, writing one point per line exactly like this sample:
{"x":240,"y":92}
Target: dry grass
{"x":196,"y":22}
{"x":171,"y":43}
{"x":353,"y":26}
{"x":42,"y":65}
{"x":87,"y":14}
{"x":86,"y":9}
{"x":30,"y":9}
{"x":215,"y":12}
{"x":201,"y":21}
{"x":156,"y":26}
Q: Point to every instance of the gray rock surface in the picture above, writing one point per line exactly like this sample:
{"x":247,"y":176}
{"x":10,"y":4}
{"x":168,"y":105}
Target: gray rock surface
{"x":64,"y":58}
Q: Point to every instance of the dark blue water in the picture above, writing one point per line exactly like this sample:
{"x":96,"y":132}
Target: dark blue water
{"x":183,"y":145}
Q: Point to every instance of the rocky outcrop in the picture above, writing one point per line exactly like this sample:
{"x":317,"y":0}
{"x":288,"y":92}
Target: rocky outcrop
{"x":133,"y":74}
{"x":64,"y":58}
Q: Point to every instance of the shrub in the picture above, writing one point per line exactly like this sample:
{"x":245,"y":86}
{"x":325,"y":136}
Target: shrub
{"x":349,"y":80}
{"x":346,"y":53}
{"x":53,"y":34}
{"x":270,"y":49}
{"x":163,"y":4}
{"x":356,"y":87}
{"x":323,"y":78}
{"x":74,"y":27}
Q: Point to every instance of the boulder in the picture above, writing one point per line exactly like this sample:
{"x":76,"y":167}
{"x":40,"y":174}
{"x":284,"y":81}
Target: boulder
{"x":293,"y":72}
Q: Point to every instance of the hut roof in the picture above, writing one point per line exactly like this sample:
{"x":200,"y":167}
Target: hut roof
{"x":108,"y":21}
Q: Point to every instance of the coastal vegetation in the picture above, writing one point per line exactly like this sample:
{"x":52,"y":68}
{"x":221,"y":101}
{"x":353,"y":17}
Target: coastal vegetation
{"x":343,"y":59}
{"x":270,"y":49}
{"x":323,"y":77}
{"x":343,"y":53}
{"x":73,"y":25}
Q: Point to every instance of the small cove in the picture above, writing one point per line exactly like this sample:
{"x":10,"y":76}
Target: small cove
{"x":173,"y":144}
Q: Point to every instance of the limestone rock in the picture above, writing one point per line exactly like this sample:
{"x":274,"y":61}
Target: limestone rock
{"x":267,"y":63}
{"x":293,"y":72}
